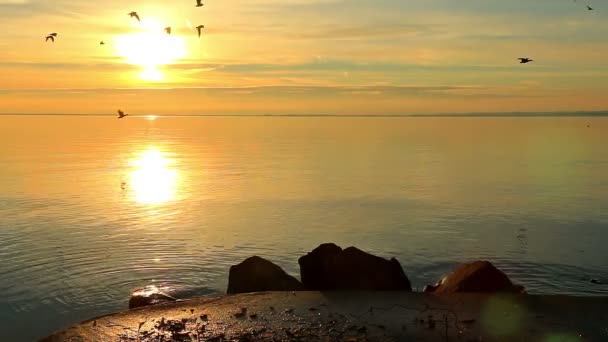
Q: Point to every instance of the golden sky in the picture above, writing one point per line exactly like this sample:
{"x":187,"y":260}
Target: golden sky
{"x":302,"y":57}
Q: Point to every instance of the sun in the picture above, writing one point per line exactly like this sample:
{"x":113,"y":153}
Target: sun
{"x":150,"y":48}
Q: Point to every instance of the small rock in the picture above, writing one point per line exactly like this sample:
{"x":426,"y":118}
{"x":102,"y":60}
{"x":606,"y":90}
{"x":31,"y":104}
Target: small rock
{"x":478,"y":276}
{"x":241,"y":313}
{"x":204,"y":318}
{"x":145,"y":298}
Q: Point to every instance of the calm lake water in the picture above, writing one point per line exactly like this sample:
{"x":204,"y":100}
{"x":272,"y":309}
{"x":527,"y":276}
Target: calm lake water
{"x":93,"y":207}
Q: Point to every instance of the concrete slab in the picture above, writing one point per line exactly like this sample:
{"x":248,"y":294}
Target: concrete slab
{"x":354,"y":316}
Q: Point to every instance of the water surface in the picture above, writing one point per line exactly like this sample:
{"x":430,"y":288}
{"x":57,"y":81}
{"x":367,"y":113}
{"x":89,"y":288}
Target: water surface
{"x":93,"y":207}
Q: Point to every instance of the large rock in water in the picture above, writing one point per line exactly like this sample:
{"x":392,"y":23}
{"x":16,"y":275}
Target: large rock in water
{"x":256,"y":274}
{"x":478,"y":276}
{"x":328,"y":267}
{"x":145,"y":297}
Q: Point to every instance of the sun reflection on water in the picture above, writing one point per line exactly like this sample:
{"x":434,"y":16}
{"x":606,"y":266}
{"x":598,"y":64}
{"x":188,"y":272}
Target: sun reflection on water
{"x":153,"y":180}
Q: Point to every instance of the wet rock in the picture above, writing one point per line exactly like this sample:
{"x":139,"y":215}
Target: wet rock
{"x":328,"y":267}
{"x":477,"y":276}
{"x":146,"y":298}
{"x":256,"y":274}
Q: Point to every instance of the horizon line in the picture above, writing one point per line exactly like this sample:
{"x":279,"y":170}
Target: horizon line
{"x":435,"y":115}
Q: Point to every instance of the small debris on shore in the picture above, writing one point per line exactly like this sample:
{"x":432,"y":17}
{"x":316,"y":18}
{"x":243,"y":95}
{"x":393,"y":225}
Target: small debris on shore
{"x":241,"y":313}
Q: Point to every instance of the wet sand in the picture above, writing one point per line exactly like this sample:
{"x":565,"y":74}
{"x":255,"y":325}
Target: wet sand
{"x":355,"y":316}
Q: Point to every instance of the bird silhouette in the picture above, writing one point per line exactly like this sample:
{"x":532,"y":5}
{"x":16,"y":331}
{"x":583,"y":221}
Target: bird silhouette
{"x":589,"y":8}
{"x":52,"y":38}
{"x":199,"y":3}
{"x":525,"y":60}
{"x":168,"y":30}
{"x":134,"y":15}
{"x":102,"y":43}
{"x":199,"y":29}
{"x":121,"y":114}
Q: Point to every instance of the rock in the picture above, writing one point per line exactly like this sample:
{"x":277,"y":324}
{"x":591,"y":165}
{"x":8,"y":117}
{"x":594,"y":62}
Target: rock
{"x":145,"y":298}
{"x":328,"y":267}
{"x":256,"y":274}
{"x":477,"y":276}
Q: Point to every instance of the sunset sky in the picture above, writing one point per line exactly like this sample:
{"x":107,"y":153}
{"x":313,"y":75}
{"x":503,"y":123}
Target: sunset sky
{"x":303,"y":56}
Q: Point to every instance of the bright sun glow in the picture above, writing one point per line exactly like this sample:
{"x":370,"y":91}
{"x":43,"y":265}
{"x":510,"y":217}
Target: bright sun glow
{"x":152,"y":180}
{"x":150,"y":48}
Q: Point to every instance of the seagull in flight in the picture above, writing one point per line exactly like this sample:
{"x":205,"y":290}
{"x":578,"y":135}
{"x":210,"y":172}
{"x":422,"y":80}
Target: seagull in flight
{"x":134,"y":15}
{"x":52,"y":38}
{"x":168,"y":30}
{"x":199,"y":29}
{"x":525,"y":60}
{"x":199,"y":3}
{"x":121,"y":114}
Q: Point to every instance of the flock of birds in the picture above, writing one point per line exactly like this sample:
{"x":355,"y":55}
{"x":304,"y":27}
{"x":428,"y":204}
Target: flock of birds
{"x":199,"y":28}
{"x":135,"y":15}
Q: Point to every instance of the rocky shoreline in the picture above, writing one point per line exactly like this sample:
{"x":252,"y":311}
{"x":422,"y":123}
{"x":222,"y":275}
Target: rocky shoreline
{"x":331,"y":268}
{"x":350,"y":295}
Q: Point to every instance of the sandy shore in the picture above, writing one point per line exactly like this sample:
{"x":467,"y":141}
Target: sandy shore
{"x":355,"y":316}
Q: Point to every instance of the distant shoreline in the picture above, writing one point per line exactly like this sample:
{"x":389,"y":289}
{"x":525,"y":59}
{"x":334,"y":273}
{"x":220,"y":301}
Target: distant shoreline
{"x":456,"y":115}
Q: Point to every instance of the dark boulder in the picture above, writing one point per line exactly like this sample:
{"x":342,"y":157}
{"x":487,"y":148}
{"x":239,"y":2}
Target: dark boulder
{"x":328,"y":267}
{"x":256,"y":274}
{"x":145,"y":297}
{"x":477,"y":276}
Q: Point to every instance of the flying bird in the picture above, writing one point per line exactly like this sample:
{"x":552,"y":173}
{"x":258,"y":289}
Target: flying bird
{"x":102,"y":43}
{"x":52,"y":38}
{"x":121,"y":114}
{"x":168,"y":30}
{"x":54,"y":34}
{"x":134,"y":15}
{"x":199,"y":3}
{"x":589,"y":8}
{"x":525,"y":60}
{"x":199,"y":29}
